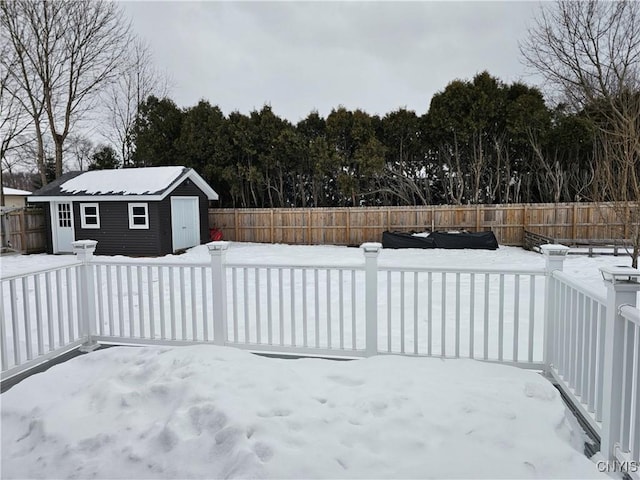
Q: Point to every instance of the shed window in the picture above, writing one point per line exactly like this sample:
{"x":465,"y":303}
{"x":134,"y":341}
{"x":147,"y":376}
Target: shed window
{"x":138,"y":216}
{"x":89,"y":215}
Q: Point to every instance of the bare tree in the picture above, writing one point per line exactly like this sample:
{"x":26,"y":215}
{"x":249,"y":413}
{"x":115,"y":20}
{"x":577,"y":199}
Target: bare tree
{"x":13,"y":118}
{"x":80,"y":148}
{"x":137,"y":80}
{"x":590,"y":52}
{"x":68,"y":51}
{"x":20,"y":83}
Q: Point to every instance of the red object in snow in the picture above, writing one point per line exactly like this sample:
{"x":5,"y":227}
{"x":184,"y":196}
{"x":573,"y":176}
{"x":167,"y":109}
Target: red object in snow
{"x":215,"y":235}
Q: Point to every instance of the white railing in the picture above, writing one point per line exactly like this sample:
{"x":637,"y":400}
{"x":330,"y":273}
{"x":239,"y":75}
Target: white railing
{"x":593,"y":352}
{"x":39,"y":317}
{"x":629,"y":405}
{"x":489,"y":314}
{"x":534,"y":318}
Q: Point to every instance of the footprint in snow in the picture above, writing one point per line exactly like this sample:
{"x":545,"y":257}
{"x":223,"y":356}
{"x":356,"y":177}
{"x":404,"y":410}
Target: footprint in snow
{"x":276,"y":412}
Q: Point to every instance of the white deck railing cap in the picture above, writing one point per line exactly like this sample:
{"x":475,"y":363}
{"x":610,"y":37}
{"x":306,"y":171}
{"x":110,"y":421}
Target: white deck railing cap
{"x":215,"y":246}
{"x":554,"y":249}
{"x":371,"y":247}
{"x":84,"y":244}
{"x":620,"y":274}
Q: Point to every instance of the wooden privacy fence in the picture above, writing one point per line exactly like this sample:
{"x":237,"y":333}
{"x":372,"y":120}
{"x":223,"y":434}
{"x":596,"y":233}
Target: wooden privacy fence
{"x":353,"y":226}
{"x":23,"y":230}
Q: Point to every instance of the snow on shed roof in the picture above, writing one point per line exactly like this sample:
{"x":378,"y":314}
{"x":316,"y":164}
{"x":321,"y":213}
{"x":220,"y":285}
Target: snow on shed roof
{"x":151,"y":183}
{"x":14,"y":191}
{"x":131,"y":181}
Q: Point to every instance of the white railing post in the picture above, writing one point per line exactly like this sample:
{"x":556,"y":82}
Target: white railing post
{"x":83,"y":250}
{"x":218,"y":250}
{"x":371,"y":251}
{"x":554,"y":258}
{"x":622,"y":289}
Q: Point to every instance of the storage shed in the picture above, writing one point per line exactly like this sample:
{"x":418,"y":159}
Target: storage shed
{"x":134,"y":211}
{"x":14,"y":198}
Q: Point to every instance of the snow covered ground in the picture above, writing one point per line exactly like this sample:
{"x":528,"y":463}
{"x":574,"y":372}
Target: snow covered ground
{"x":214,"y":412}
{"x":210,"y":412}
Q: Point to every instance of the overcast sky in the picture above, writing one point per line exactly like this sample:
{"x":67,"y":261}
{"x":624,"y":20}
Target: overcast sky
{"x":303,"y":56}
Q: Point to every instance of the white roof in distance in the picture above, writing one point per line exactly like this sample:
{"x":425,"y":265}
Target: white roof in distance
{"x":134,"y":181}
{"x":14,"y":191}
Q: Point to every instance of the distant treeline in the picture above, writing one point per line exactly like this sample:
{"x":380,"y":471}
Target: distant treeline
{"x":481,"y":141}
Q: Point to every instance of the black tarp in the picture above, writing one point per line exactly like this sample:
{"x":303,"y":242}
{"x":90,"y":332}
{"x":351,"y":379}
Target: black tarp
{"x":479,"y":240}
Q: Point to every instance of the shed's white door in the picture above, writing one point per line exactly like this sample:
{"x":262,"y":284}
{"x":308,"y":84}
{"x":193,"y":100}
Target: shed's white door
{"x":185,"y":222}
{"x":62,"y":227}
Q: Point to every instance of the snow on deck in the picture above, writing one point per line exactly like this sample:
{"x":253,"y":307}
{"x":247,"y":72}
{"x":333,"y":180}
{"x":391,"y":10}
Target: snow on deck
{"x":215,"y":412}
{"x":128,"y":181}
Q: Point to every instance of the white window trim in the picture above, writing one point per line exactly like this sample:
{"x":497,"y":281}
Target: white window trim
{"x":132,"y":226}
{"x":83,"y":216}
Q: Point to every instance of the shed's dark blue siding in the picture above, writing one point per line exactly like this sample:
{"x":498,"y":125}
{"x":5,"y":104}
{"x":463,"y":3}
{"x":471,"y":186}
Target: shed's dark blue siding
{"x":114,"y":236}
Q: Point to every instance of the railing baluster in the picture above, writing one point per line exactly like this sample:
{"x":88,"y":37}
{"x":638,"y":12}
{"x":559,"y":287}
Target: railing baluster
{"x":130,"y":302}
{"x":14,"y":322}
{"x":486,"y":318}
{"x":602,"y":315}
{"x":293,"y":305}
{"x":99,"y":294}
{"x":457,"y":315}
{"x":281,"y":306}
{"x":270,"y":310}
{"x":161,"y":298}
{"x":472,"y":326}
{"x":110,"y":301}
{"x":61,"y":318}
{"x":205,"y":307}
{"x":140,"y":300}
{"x":573,"y":338}
{"x":593,"y":355}
{"x":430,"y":314}
{"x":234,"y":282}
{"x":27,"y":317}
{"x":353,"y":310}
{"x":256,"y":273}
{"x":172,"y":304}
{"x":415,"y":313}
{"x":501,"y":319}
{"x":245,"y":303}
{"x":389,"y":311}
{"x":443,"y":333}
{"x":183,"y":305}
{"x":532,"y":306}
{"x":39,"y":327}
{"x":152,"y":319}
{"x":50,"y":331}
{"x":328,"y":282}
{"x":402,"y":331}
{"x":627,"y":383}
{"x":341,"y":308}
{"x":516,"y":317}
{"x":305,"y":333}
{"x":579,"y":360}
{"x":194,"y":317}
{"x":316,"y":306}
{"x":586,"y":352}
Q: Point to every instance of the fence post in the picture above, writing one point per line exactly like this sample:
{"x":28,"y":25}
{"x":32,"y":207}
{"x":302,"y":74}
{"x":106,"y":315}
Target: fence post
{"x":554,"y":258}
{"x":83,"y":250}
{"x":622,"y":289}
{"x":218,"y":250}
{"x":371,"y":251}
